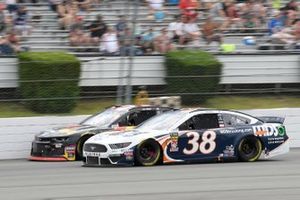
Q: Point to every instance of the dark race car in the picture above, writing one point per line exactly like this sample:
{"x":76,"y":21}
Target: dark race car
{"x":65,"y":143}
{"x":190,"y":135}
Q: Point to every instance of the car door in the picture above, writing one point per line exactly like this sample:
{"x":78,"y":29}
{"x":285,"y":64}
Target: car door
{"x":197,"y":138}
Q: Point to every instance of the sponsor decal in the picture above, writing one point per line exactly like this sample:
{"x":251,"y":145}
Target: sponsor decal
{"x":281,"y":130}
{"x":269,"y":130}
{"x":92,"y":154}
{"x":275,"y":140}
{"x":235,"y":131}
{"x":58,"y":145}
{"x":174,"y":142}
{"x":128,"y":155}
{"x":228,"y":151}
{"x":221,"y":121}
{"x":70,"y":151}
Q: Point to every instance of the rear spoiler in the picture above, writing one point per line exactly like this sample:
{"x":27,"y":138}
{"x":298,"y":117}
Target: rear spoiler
{"x":268,"y":119}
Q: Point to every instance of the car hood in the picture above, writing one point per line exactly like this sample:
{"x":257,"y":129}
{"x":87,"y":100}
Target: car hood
{"x":110,"y":137}
{"x":69,"y":130}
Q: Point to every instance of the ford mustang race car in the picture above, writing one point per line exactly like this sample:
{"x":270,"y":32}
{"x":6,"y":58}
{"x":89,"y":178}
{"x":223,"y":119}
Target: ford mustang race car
{"x":190,"y":135}
{"x":65,"y":143}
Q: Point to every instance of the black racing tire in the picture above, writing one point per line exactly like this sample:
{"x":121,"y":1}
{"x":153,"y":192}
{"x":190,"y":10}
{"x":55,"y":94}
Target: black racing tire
{"x":249,"y":149}
{"x":79,"y":147}
{"x":148,"y":153}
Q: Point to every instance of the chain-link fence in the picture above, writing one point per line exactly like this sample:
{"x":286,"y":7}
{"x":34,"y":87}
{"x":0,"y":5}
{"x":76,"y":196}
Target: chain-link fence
{"x":106,"y":78}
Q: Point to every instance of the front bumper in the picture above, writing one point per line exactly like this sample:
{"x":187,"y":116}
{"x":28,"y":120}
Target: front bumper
{"x":124,"y":158}
{"x":49,"y":151}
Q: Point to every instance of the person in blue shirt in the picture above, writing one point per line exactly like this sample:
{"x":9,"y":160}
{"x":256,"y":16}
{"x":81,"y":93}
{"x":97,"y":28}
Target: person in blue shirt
{"x":276,"y":24}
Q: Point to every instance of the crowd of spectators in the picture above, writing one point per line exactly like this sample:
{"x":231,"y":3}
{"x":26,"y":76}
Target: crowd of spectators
{"x":14,"y":25}
{"x":198,"y":23}
{"x":284,"y":26}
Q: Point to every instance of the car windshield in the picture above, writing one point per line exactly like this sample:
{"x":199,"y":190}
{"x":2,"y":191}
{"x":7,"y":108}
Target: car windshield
{"x":164,"y":121}
{"x":105,"y":118}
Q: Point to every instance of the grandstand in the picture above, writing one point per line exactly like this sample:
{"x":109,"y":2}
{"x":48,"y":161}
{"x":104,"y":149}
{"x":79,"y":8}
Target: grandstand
{"x":48,"y":36}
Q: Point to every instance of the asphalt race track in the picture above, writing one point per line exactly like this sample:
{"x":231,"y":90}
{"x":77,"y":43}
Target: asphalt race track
{"x":273,"y":179}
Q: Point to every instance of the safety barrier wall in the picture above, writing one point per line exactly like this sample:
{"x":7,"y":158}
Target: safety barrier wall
{"x":16,"y":134}
{"x":149,"y":70}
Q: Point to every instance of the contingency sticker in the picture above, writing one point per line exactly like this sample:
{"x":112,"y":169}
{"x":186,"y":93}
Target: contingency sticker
{"x":174,"y":142}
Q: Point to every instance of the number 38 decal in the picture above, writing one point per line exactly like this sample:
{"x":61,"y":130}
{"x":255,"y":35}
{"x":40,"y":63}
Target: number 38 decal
{"x":205,"y":146}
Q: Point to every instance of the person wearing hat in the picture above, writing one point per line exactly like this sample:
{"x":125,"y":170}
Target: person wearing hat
{"x":142,"y":97}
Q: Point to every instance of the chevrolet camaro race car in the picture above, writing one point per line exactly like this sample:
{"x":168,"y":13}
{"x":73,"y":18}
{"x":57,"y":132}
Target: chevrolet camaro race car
{"x":190,"y":135}
{"x":65,"y":143}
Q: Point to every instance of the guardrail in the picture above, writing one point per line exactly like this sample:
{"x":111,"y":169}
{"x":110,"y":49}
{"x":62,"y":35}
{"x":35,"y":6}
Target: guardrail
{"x":17,"y":133}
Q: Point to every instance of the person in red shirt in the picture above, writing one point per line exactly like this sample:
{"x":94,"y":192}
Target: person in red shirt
{"x":189,"y":8}
{"x":184,"y":4}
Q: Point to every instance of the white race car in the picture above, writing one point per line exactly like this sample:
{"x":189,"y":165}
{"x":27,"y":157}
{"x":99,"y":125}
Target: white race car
{"x":190,"y":135}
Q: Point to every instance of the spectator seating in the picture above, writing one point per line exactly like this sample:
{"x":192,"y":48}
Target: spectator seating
{"x":47,"y":35}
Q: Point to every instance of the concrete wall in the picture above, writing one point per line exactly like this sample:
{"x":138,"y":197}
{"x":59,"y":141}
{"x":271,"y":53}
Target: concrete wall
{"x":149,"y":70}
{"x":16,"y":134}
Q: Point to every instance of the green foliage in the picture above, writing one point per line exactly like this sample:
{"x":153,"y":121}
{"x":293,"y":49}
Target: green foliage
{"x":183,"y":66}
{"x":49,"y":80}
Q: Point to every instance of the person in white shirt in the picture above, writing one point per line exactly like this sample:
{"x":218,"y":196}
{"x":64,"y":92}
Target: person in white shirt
{"x":156,"y":4}
{"x":109,"y":42}
{"x":156,"y":7}
{"x":191,"y":32}
{"x":175,"y":29}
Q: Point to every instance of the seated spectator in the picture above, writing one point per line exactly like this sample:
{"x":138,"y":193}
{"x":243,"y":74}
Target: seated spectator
{"x":77,"y":35}
{"x":217,"y":14}
{"x":162,"y":43}
{"x":231,"y":12}
{"x":191,"y":33}
{"x":296,"y":29}
{"x":210,"y":32}
{"x":127,"y":46}
{"x":21,"y":22}
{"x":276,"y":23}
{"x":54,"y":5}
{"x":83,"y":5}
{"x":189,"y":7}
{"x":109,"y":44}
{"x":285,"y":36}
{"x":5,"y":47}
{"x":98,"y":28}
{"x":9,"y":22}
{"x":184,"y":4}
{"x":11,"y":6}
{"x":156,"y":9}
{"x":288,"y":35}
{"x":121,"y":25}
{"x":176,"y":28}
{"x":147,"y":39}
{"x":14,"y":40}
{"x":249,"y":16}
{"x":260,"y":12}
{"x":67,"y":16}
{"x":155,"y":5}
{"x":2,"y":19}
{"x":291,"y":10}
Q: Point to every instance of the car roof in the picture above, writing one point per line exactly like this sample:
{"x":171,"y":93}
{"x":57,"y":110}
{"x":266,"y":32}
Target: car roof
{"x":131,"y":107}
{"x":192,"y":110}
